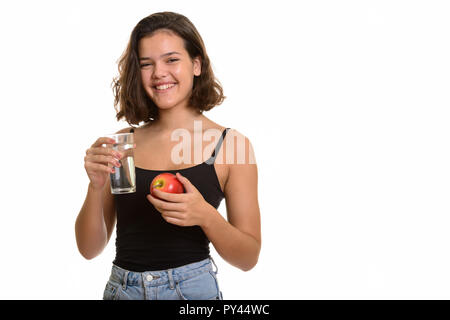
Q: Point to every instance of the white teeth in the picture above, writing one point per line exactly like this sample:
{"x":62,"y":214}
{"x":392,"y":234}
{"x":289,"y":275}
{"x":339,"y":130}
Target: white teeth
{"x":165,"y":86}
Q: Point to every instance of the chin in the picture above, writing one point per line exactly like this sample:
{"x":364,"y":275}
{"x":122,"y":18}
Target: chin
{"x":166,"y":106}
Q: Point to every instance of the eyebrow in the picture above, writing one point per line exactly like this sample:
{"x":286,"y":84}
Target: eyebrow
{"x":163,"y":55}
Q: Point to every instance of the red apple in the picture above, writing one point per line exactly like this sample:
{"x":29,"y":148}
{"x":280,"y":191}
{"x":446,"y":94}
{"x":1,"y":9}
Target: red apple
{"x":166,"y":182}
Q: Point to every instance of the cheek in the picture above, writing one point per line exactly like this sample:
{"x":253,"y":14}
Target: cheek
{"x":177,"y":71}
{"x":145,"y":77}
{"x":183,"y":74}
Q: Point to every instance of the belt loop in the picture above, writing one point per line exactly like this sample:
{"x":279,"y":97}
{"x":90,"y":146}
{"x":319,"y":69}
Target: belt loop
{"x":125,"y":280}
{"x":215,"y":265}
{"x":171,"y":282}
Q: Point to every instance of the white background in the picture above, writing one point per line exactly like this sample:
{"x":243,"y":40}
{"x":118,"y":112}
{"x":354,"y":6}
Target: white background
{"x":346,"y":104}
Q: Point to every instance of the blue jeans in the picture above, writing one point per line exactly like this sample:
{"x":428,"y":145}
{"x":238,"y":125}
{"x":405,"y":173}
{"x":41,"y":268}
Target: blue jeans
{"x":194,"y":281}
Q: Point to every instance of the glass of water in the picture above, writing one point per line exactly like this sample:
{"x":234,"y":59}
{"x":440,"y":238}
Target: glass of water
{"x":123,"y":180}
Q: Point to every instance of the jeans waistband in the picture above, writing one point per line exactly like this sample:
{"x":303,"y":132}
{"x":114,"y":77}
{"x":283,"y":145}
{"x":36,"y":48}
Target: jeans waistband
{"x":157,"y":278}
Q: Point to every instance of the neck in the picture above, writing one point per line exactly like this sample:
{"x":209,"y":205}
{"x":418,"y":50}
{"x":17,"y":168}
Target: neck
{"x":175,"y":118}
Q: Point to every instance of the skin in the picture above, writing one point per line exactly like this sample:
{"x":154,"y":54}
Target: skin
{"x":238,"y":238}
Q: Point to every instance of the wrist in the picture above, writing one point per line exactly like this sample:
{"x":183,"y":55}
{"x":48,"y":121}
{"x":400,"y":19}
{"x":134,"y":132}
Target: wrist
{"x":209,"y":217}
{"x":94,"y":189}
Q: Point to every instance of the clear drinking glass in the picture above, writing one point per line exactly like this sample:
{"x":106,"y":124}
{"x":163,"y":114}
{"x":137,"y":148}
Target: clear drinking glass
{"x":123,"y":180}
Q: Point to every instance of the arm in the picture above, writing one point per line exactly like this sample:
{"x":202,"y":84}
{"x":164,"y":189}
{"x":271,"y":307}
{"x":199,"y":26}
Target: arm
{"x":238,"y":240}
{"x":95,"y":222}
{"x":97,"y":217}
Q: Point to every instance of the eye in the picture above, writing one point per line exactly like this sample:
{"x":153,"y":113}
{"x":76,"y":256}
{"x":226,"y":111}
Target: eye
{"x":173,"y":60}
{"x":143,"y":65}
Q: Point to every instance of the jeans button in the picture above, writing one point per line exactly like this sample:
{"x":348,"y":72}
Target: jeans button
{"x":149,"y":277}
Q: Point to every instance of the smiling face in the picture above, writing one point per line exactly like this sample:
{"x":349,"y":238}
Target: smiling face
{"x":167,"y":71}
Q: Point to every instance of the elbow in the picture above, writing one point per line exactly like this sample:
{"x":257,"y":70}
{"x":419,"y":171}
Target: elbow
{"x":87,"y":251}
{"x":247,"y":268}
{"x":249,"y":265}
{"x":88,"y":248}
{"x":87,"y":254}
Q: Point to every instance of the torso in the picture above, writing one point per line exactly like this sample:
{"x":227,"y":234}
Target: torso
{"x":153,"y":151}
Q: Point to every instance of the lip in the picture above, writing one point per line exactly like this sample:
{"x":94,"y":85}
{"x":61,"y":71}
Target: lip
{"x":165,"y":90}
{"x":162,"y":83}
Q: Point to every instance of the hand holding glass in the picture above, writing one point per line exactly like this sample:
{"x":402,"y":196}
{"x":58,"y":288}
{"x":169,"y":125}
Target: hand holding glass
{"x":123,"y":179}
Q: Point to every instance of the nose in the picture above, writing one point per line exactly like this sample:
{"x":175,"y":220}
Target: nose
{"x":159,"y":71}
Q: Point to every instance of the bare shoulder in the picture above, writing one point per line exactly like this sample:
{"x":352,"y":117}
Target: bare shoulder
{"x":238,"y":149}
{"x":124,"y":130}
{"x":238,"y":156}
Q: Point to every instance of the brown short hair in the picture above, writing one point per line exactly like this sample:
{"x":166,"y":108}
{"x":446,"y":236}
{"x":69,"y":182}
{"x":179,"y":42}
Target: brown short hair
{"x":130,"y":99}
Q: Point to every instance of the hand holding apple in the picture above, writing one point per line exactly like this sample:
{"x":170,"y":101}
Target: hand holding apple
{"x":182,"y":209}
{"x":166,"y":182}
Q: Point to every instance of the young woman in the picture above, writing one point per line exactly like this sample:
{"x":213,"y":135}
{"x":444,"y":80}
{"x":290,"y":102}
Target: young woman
{"x":162,"y":245}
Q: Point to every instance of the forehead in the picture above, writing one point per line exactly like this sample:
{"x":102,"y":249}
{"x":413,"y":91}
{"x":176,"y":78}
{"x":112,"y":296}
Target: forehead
{"x":160,"y":42}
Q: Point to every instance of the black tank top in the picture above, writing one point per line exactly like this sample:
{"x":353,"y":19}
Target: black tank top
{"x":144,"y":240}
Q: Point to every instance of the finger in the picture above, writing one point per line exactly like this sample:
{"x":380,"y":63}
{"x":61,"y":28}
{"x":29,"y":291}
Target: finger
{"x":103,"y":140}
{"x":96,"y":167}
{"x":104,"y":151}
{"x":171,"y":197}
{"x":175,"y":221}
{"x":155,"y":202}
{"x":188,"y":186}
{"x":103,"y":160}
{"x":173,"y":214}
{"x":162,"y":205}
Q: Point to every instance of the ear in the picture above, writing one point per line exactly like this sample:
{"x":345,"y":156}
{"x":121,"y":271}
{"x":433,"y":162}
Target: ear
{"x":197,"y":66}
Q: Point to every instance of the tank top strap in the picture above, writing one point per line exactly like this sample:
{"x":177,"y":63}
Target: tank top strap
{"x":217,"y":148}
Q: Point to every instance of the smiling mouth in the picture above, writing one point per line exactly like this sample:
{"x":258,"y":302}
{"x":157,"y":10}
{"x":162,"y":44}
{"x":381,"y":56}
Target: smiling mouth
{"x":164,"y":87}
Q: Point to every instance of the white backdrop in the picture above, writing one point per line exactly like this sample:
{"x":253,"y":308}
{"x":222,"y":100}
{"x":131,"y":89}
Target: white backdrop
{"x":346,"y":104}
